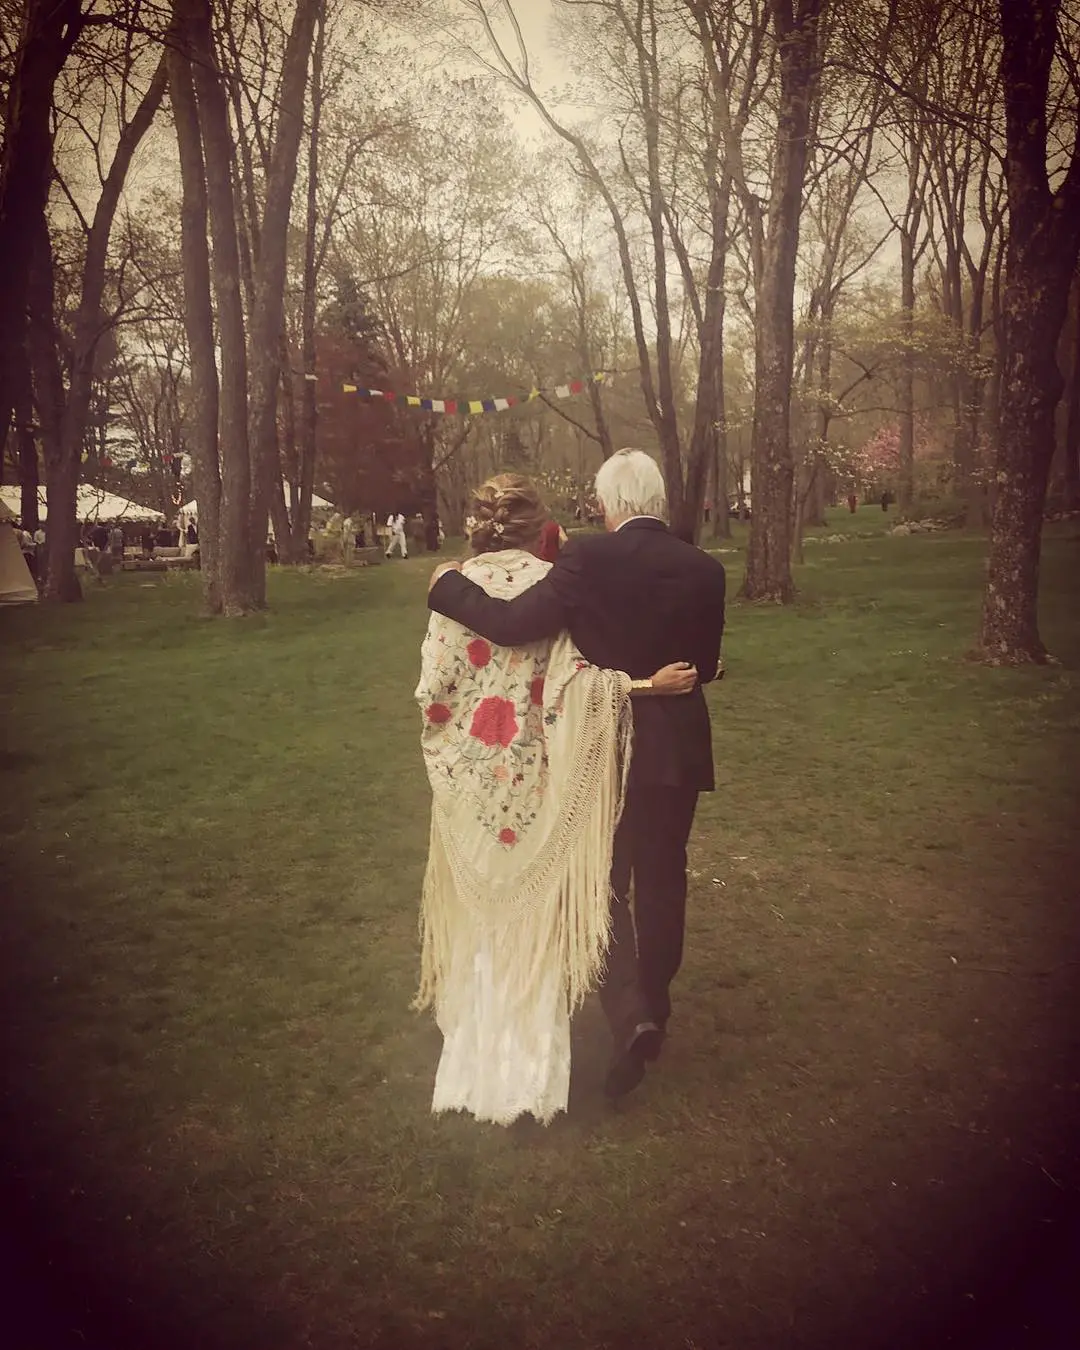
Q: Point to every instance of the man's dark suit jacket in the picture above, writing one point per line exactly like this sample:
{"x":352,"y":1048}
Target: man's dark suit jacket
{"x":634,"y":600}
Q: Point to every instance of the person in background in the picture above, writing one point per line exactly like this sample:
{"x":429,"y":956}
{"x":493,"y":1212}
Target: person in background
{"x":192,"y":533}
{"x":552,"y":538}
{"x":395,"y":524}
{"x":26,"y":543}
{"x":99,"y":537}
{"x":886,"y":500}
{"x":39,"y":553}
{"x":116,"y":542}
{"x":852,"y":502}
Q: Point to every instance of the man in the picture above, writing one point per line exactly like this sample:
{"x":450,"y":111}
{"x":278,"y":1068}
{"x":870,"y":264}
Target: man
{"x":634,"y":599}
{"x":395,"y":524}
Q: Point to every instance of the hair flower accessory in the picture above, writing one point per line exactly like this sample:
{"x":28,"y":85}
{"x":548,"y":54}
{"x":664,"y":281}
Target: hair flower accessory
{"x":497,"y":529}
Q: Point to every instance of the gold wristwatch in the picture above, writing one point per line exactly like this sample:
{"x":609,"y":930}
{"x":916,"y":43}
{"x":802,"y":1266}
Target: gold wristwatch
{"x":641,"y":684}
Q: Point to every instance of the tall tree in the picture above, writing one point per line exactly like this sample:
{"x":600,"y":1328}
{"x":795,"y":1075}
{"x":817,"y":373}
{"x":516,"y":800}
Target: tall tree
{"x":67,"y":419}
{"x":250,"y":345}
{"x":635,"y":180}
{"x":1071,"y":446}
{"x":198,"y":303}
{"x":267,"y":316}
{"x":339,"y":138}
{"x":964,"y":161}
{"x":797,"y":33}
{"x":50,"y":32}
{"x":1041,"y":255}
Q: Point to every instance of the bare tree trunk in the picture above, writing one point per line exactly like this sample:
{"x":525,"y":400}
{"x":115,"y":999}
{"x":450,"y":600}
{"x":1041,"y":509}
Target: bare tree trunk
{"x":596,"y":403}
{"x":61,"y":474}
{"x":288,"y":545}
{"x":974,"y":390}
{"x":89,"y":325}
{"x":234,"y":539}
{"x":309,"y":405}
{"x":51,"y":29}
{"x":768,"y":563}
{"x":279,"y":520}
{"x":25,"y":443}
{"x":808,"y":495}
{"x":1044,"y":242}
{"x":427,"y":487}
{"x":267,"y":311}
{"x":704,"y":458}
{"x":665,"y":418}
{"x":198,"y":309}
{"x":1072,"y":418}
{"x":906,"y":392}
{"x":815,"y":504}
{"x":718,"y":478}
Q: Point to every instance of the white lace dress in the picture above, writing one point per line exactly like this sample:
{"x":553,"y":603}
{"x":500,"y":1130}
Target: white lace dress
{"x":501,"y":1061}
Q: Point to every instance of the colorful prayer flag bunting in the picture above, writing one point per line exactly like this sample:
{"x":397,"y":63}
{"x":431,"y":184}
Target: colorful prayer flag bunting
{"x":474,"y":406}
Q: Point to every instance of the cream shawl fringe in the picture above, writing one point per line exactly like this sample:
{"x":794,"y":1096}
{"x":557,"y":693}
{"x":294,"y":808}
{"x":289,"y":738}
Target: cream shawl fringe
{"x":545,"y":915}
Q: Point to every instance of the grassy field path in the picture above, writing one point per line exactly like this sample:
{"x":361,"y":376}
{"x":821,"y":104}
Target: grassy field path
{"x":863,"y":1130}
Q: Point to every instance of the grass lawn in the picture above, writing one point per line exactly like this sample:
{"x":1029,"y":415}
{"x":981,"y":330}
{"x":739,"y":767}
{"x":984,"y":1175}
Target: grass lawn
{"x":863,"y":1128}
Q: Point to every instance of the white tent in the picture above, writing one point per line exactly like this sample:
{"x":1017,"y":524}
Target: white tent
{"x":191,"y":508}
{"x":16,"y":584}
{"x":91,"y":503}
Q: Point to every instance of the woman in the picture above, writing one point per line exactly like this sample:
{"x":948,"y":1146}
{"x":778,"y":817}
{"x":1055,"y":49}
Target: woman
{"x":526,"y":750}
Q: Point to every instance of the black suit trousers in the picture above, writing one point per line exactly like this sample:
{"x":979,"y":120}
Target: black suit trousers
{"x":650,"y":861}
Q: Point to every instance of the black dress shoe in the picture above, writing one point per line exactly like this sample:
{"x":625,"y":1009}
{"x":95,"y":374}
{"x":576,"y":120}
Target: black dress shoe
{"x":627,"y":1069}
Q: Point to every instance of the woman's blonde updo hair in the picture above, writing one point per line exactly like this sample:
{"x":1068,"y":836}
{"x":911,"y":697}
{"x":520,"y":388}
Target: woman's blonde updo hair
{"x":505,"y":512}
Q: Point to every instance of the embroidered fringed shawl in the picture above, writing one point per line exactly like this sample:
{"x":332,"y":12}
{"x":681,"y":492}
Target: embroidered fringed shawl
{"x":527,"y":750}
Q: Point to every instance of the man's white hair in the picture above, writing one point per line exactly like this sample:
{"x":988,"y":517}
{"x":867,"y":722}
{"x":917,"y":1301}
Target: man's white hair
{"x":630,"y":484}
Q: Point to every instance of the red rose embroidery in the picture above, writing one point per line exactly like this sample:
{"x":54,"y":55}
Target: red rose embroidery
{"x":494,"y":722}
{"x":507,"y":837}
{"x":536,"y":691}
{"x":438,"y":713}
{"x":478,"y":652}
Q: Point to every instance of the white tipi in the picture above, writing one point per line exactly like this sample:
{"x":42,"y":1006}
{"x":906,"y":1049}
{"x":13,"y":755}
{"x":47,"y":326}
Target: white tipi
{"x":16,"y":584}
